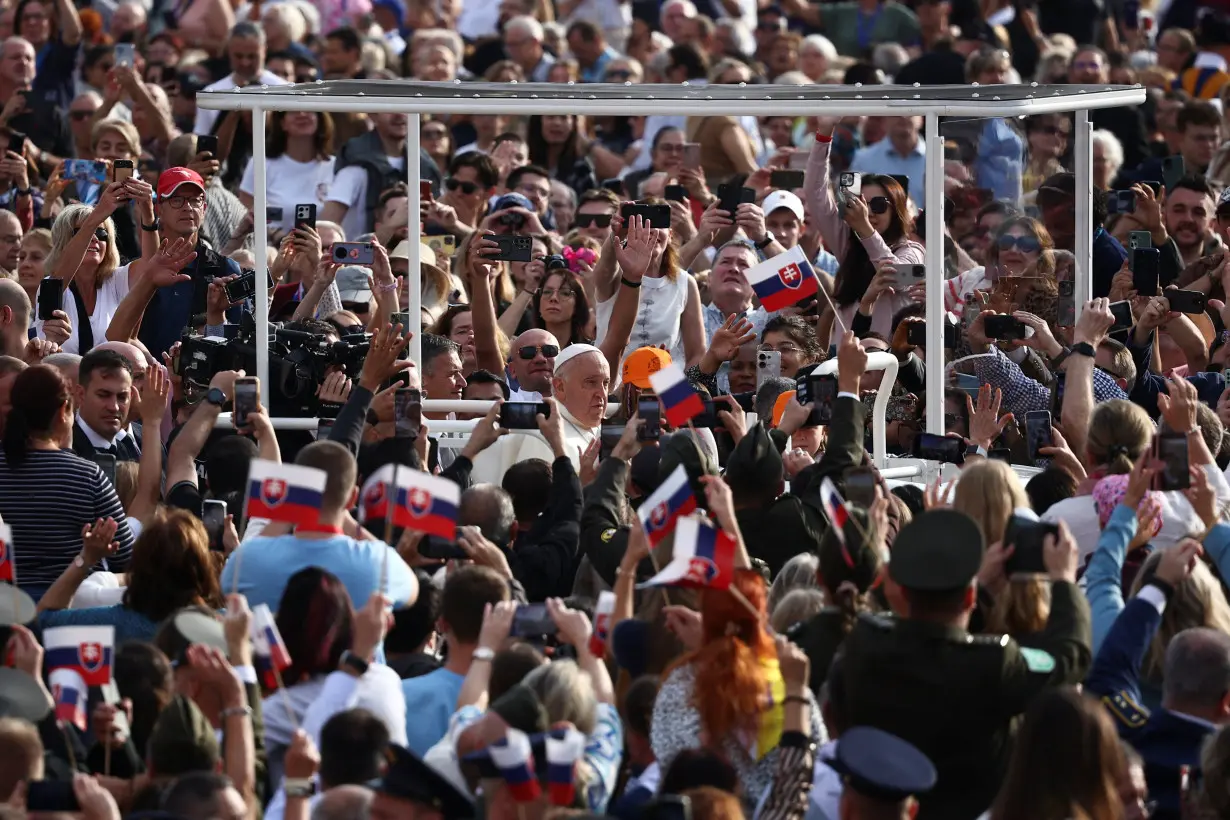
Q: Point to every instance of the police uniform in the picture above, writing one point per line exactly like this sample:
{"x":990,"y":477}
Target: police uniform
{"x":881,"y":767}
{"x":952,"y":694}
{"x":407,"y":779}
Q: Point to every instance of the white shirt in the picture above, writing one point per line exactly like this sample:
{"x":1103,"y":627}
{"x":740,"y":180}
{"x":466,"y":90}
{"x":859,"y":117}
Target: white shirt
{"x":659,"y":318}
{"x":524,"y":395}
{"x":615,"y":16}
{"x":100,"y":442}
{"x":205,"y":118}
{"x":492,"y":463}
{"x":289,"y":182}
{"x":106,"y":302}
{"x":478,"y":20}
{"x":349,"y":188}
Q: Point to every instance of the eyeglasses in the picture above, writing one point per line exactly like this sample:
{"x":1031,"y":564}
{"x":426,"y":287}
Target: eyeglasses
{"x":878,"y":204}
{"x":178,"y":201}
{"x":535,"y":191}
{"x":1025,"y":244}
{"x":467,"y":188}
{"x":80,"y":115}
{"x":434,"y":133}
{"x":618,"y":74}
{"x":592,"y":220}
{"x":670,"y":148}
{"x":558,"y":293}
{"x":784,"y":347}
{"x":528,"y":352}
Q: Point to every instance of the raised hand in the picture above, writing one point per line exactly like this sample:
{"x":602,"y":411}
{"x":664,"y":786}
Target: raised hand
{"x":636,"y":252}
{"x":172,"y":257}
{"x":985,"y":423}
{"x":732,"y":335}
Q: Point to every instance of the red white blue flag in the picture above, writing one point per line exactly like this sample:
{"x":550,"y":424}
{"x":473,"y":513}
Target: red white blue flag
{"x":680,"y":401}
{"x":562,"y":756}
{"x":703,"y":556}
{"x":603,"y":613}
{"x":666,"y":505}
{"x":86,"y":650}
{"x":269,"y":654}
{"x":8,"y":567}
{"x":285,"y":492}
{"x":70,"y":693}
{"x":835,"y":508}
{"x":783,"y":280}
{"x":428,"y":504}
{"x":514,"y":757}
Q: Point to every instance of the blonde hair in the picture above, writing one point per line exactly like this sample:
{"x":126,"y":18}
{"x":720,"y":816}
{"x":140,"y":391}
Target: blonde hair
{"x":1022,"y":608}
{"x":122,"y":127}
{"x":126,"y":482}
{"x":1198,"y":601}
{"x":40,"y":235}
{"x":988,"y":492}
{"x":1119,"y":432}
{"x":65,"y":228}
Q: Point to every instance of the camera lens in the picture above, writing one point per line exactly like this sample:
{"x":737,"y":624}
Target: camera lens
{"x":339,"y":254}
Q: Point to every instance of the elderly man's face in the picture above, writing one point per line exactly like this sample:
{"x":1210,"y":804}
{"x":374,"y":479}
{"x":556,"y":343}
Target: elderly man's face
{"x":582,"y":387}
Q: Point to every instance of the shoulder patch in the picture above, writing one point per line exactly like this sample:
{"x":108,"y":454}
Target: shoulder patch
{"x":878,"y":621}
{"x":988,"y":639}
{"x":607,"y":535}
{"x":1125,"y":710}
{"x":1038,"y":660}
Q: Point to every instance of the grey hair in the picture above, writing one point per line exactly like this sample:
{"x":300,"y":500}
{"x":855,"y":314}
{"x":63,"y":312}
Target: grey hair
{"x":292,"y":17}
{"x":889,"y":58}
{"x":797,"y":606}
{"x":1197,"y":669}
{"x":567,"y":190}
{"x":567,"y":692}
{"x":740,"y":33}
{"x":65,"y":228}
{"x":490,"y":508}
{"x":1113,"y":148}
{"x":820,"y":43}
{"x":766,"y":397}
{"x":59,"y":360}
{"x":797,"y":573}
{"x":526,"y":25}
{"x":347,"y":802}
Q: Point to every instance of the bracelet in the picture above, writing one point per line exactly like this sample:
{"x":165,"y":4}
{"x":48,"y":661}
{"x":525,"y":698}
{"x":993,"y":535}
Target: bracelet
{"x":624,"y":281}
{"x":237,"y":711}
{"x":823,"y":137}
{"x":387,"y":288}
{"x":796,"y":699}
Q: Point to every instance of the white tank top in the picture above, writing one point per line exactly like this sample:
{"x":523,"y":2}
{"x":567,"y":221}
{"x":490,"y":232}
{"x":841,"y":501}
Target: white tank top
{"x":659,"y":318}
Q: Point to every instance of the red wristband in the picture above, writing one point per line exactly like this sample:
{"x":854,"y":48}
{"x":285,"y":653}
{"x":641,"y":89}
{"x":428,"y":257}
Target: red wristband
{"x":823,"y":137}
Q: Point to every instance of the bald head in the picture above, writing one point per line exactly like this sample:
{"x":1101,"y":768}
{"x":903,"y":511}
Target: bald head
{"x":535,"y":372}
{"x":10,"y":240}
{"x":489,"y":508}
{"x":344,"y":803}
{"x":14,"y":317}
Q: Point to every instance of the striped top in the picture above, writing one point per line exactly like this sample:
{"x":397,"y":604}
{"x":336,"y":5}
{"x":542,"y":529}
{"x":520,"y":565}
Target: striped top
{"x":46,"y":501}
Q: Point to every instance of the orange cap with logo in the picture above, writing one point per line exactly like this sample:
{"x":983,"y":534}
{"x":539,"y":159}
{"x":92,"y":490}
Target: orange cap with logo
{"x":641,"y":363}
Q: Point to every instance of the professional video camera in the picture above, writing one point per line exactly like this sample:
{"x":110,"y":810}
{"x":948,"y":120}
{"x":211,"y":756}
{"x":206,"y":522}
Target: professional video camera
{"x":299,"y":361}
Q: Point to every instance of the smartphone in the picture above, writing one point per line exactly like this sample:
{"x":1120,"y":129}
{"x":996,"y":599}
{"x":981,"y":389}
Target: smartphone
{"x":125,"y":55}
{"x":1130,"y":14}
{"x":972,"y":309}
{"x":408,"y":411}
{"x":274,"y":214}
{"x":851,"y":183}
{"x":1173,"y":170}
{"x":906,"y":274}
{"x":1145,"y":270}
{"x":208,"y":144}
{"x":675,"y":193}
{"x":656,"y":216}
{"x":614,"y":185}
{"x":425,"y":192}
{"x":768,"y":366}
{"x":444,"y":245}
{"x":821,"y":394}
{"x":1122,"y":312}
{"x":513,"y":248}
{"x":861,"y":486}
{"x":441,"y":549}
{"x":730,"y":197}
{"x":532,"y":621}
{"x":747,"y":401}
{"x":709,"y":416}
{"x":691,"y":155}
{"x":1171,"y":450}
{"x":1121,"y":202}
{"x":649,"y":411}
{"x":1037,"y":432}
{"x":305,"y":217}
{"x":244,"y":287}
{"x":1004,"y":328}
{"x":247,"y":400}
{"x":786,"y":180}
{"x":50,"y":297}
{"x":1027,"y":539}
{"x":968,"y":384}
{"x":324,"y":428}
{"x":106,"y":463}
{"x":1057,"y":394}
{"x":1066,"y":309}
{"x":85,"y":169}
{"x":353,"y":253}
{"x":1140,"y":239}
{"x":52,"y":796}
{"x":121,"y":169}
{"x":1186,"y":301}
{"x":522,"y":415}
{"x":916,"y":334}
{"x":213,"y":515}
{"x":945,"y":449}
{"x":1154,"y":185}
{"x":668,"y":807}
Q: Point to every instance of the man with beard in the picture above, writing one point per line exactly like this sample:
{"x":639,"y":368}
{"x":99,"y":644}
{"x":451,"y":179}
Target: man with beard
{"x":533,"y":364}
{"x":1188,"y":208}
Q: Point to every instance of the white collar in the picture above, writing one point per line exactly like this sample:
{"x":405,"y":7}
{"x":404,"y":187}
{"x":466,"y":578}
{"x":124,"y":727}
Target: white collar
{"x":582,"y":429}
{"x":1209,"y":59}
{"x":97,"y":440}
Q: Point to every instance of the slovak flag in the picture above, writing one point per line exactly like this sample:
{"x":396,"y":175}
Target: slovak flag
{"x":835,"y":508}
{"x":514,"y":757}
{"x":86,"y":650}
{"x":268,"y":650}
{"x":69,"y":692}
{"x":679,"y":400}
{"x":430,"y":504}
{"x":704,"y":556}
{"x":8,"y":567}
{"x":602,"y":623}
{"x":783,"y":280}
{"x":285,"y":492}
{"x":562,"y":756}
{"x":665,"y":505}
{"x":378,"y":499}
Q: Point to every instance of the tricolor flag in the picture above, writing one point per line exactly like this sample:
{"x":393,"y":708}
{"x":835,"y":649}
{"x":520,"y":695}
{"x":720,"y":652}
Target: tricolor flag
{"x":562,"y":756}
{"x":703,"y":557}
{"x":602,"y":624}
{"x":430,"y":504}
{"x":86,"y":650}
{"x":665,"y":505}
{"x":378,"y":499}
{"x":69,"y":692}
{"x":783,"y":280}
{"x":285,"y":492}
{"x":8,"y":567}
{"x":514,"y":757}
{"x":680,"y":401}
{"x":269,"y":654}
{"x":835,"y":508}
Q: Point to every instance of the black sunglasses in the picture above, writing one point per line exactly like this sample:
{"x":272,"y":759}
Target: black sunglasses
{"x":585,"y":220}
{"x":101,"y":235}
{"x":467,"y":188}
{"x":878,"y":204}
{"x":528,"y":352}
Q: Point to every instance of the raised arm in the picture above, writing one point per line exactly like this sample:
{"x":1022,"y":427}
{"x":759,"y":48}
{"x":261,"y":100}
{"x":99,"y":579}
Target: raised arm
{"x":821,"y":204}
{"x":154,"y":397}
{"x":480,"y":272}
{"x":162,"y":270}
{"x":181,"y":458}
{"x":70,"y":23}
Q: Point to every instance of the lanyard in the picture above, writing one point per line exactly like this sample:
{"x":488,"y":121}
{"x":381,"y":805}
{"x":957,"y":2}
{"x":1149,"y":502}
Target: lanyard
{"x":332,"y":529}
{"x":867,"y":25}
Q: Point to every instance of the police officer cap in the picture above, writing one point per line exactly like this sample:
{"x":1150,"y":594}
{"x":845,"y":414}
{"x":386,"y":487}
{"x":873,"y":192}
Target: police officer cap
{"x":882,"y":766}
{"x":939,"y":551}
{"x":409,"y":778}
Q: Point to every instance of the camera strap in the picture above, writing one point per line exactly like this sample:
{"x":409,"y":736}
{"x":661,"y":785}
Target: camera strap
{"x":85,"y":333}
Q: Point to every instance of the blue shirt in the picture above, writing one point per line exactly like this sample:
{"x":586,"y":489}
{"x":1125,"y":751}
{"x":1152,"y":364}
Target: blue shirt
{"x":431,"y":700}
{"x":267,"y":563}
{"x":882,"y":158}
{"x":594,"y":73}
{"x":998,"y":164}
{"x":172,"y":308}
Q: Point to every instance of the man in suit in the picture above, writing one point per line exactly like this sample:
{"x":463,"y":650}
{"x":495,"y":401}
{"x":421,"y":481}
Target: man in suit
{"x":139,"y":364}
{"x":104,"y":392}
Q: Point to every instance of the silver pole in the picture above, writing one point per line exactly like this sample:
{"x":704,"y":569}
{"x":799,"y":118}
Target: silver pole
{"x":414,"y":234}
{"x":260,"y":224}
{"x":934,"y":210}
{"x":1083,"y":246}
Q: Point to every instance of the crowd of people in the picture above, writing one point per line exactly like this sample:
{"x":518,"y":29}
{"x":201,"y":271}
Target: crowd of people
{"x":661,"y":576}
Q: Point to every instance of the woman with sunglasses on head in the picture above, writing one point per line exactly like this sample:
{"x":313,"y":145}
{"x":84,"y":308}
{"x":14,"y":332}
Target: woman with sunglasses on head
{"x":868,"y":239}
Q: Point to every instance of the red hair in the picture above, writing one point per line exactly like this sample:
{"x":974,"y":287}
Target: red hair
{"x":730,"y":684}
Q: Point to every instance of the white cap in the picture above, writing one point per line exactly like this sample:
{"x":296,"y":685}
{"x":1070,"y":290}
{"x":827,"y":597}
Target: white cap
{"x":783,"y":199}
{"x":571,"y":352}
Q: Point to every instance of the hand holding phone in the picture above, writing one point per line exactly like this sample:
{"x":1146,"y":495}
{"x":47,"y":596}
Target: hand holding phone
{"x":247,"y":400}
{"x":649,"y":411}
{"x":522,"y":415}
{"x":213,"y":515}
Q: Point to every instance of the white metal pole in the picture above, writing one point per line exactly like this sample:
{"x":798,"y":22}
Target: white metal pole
{"x":1083,"y":245}
{"x":414,"y":234}
{"x":260,"y":224}
{"x":934,"y":198}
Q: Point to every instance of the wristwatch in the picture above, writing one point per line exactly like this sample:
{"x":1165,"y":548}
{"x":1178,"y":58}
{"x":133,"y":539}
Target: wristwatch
{"x":215,"y":396}
{"x":154,"y":227}
{"x":354,"y":663}
{"x":1084,"y":349}
{"x":768,"y":240}
{"x":301,"y":787}
{"x":483,"y":653}
{"x":79,"y":563}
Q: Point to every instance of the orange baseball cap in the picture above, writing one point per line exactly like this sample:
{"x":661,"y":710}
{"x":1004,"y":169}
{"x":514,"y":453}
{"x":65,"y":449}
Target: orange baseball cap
{"x":779,"y":406}
{"x":641,"y":363}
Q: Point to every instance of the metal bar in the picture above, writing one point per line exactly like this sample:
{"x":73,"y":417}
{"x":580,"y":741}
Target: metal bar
{"x":934,"y":180}
{"x":414,"y":301}
{"x":261,"y":226}
{"x":1083,"y":247}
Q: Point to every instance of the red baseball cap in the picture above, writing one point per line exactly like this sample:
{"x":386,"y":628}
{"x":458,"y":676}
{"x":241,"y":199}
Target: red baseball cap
{"x":170,"y":180}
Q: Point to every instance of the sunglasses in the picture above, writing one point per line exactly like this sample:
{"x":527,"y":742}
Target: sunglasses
{"x":453,"y":184}
{"x":618,"y":74}
{"x":80,"y":115}
{"x":101,"y":235}
{"x":528,"y":352}
{"x":878,"y":204}
{"x":1025,"y":244}
{"x":1054,"y":131}
{"x":597,"y":220}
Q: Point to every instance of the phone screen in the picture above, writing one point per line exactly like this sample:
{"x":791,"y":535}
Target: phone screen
{"x":53,"y":796}
{"x":521,"y":415}
{"x":532,"y":621}
{"x":1037,"y":431}
{"x":861,"y":486}
{"x":650,"y":412}
{"x":1122,"y":312}
{"x":407,"y":411}
{"x":247,"y":400}
{"x":945,"y":449}
{"x":822,"y":392}
{"x":1172,"y":452}
{"x":213,"y":514}
{"x":324,"y":427}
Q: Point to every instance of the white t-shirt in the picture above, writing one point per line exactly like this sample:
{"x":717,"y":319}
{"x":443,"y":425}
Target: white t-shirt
{"x":350,"y":189}
{"x":107,"y":302}
{"x":206,"y":118}
{"x":289,"y":182}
